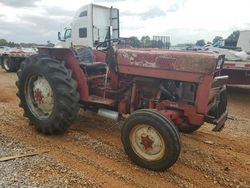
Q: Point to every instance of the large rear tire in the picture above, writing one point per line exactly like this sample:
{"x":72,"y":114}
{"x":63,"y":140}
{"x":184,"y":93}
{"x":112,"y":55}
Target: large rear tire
{"x":151,"y":140}
{"x":48,"y":94}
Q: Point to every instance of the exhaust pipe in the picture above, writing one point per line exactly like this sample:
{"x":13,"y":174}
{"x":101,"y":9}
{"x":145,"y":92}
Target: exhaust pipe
{"x":108,"y":113}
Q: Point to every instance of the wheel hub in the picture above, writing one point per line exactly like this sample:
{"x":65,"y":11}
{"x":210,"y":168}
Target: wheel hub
{"x":40,"y":97}
{"x":43,"y":95}
{"x":147,"y":142}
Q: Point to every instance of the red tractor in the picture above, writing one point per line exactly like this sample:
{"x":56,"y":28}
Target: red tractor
{"x":157,"y":92}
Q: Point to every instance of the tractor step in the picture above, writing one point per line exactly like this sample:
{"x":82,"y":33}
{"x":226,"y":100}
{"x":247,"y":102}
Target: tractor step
{"x":101,"y":100}
{"x":108,"y":91}
{"x":93,"y":77}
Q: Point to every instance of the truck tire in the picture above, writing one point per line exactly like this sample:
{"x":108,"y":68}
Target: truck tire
{"x":17,"y":62}
{"x":188,"y":128}
{"x":8,"y":64}
{"x":48,"y":94}
{"x":151,"y":140}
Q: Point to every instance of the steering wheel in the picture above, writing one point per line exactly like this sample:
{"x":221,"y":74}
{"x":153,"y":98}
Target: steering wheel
{"x":105,"y":42}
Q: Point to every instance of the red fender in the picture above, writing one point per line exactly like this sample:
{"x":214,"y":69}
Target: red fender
{"x":67,"y":55}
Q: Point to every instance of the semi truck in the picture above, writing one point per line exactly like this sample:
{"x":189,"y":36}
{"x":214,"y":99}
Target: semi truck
{"x":92,"y":25}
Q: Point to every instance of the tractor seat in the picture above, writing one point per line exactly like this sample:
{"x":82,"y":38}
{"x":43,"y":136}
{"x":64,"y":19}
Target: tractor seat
{"x":94,"y":68}
{"x":85,"y":58}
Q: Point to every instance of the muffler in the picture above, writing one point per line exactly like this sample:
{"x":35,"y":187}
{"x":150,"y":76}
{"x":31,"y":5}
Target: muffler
{"x":108,"y":113}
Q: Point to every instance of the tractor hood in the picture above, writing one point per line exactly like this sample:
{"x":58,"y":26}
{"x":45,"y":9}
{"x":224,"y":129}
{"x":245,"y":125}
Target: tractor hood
{"x":184,"y":61}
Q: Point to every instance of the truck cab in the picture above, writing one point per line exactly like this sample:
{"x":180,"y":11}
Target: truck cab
{"x":91,"y":25}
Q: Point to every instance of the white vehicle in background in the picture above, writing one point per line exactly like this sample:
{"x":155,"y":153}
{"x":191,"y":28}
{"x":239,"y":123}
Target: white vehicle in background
{"x":11,"y":58}
{"x":237,"y":64}
{"x":244,"y":41}
{"x":233,"y":53}
{"x":4,"y":49}
{"x":91,"y":26}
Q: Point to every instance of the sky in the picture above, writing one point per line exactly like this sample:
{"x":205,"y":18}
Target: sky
{"x":183,"y":20}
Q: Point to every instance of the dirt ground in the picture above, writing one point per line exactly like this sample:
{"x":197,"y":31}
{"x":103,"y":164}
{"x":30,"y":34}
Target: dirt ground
{"x":92,"y":150}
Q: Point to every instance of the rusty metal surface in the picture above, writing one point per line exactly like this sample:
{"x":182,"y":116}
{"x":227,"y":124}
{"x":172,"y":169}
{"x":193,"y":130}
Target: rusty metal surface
{"x":133,"y":66}
{"x":163,"y":74}
{"x":101,"y":100}
{"x":99,"y":56}
{"x":179,"y":111}
{"x":182,"y":61}
{"x":72,"y":63}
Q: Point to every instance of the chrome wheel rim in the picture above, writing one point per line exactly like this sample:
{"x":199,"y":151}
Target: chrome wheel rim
{"x":147,"y":142}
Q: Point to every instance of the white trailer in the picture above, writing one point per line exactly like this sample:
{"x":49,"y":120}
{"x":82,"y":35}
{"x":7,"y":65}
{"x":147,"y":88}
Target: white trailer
{"x":92,"y":25}
{"x":238,"y":72}
{"x":244,"y":41}
{"x":11,"y":58}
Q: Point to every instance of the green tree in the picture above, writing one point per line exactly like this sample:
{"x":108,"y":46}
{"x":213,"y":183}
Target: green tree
{"x":135,"y":42}
{"x":3,"y":42}
{"x":12,"y":44}
{"x":200,"y":42}
{"x":216,"y":39}
{"x":233,"y":37}
{"x":146,"y":42}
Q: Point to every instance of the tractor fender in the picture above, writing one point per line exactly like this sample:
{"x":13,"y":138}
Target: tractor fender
{"x":68,"y":56}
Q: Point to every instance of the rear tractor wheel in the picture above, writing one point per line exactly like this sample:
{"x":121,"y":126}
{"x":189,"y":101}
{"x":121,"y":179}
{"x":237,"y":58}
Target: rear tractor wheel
{"x":48,"y":94}
{"x":151,"y":140}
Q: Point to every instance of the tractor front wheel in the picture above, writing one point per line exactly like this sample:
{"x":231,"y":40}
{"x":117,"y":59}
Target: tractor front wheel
{"x":48,"y":94}
{"x":151,"y":140}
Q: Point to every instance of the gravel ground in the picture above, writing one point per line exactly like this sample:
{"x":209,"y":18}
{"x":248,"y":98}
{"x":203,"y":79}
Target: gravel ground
{"x":90,"y":153}
{"x":35,"y":171}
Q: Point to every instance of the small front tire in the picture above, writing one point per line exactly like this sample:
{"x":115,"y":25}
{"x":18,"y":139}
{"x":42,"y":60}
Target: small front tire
{"x":151,"y":140}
